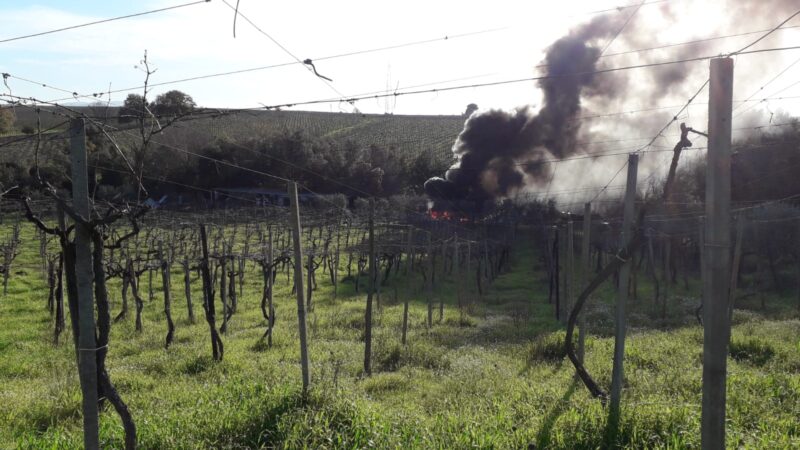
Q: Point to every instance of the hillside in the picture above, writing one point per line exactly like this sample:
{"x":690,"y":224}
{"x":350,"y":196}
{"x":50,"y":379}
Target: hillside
{"x":409,"y":135}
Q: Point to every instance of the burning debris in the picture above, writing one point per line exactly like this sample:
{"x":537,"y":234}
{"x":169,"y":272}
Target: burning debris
{"x":499,"y":152}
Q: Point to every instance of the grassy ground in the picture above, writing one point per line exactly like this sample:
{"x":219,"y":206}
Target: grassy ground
{"x":494,"y":380}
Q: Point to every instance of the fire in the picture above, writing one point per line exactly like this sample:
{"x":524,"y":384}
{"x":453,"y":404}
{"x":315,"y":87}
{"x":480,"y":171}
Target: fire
{"x":439,"y":215}
{"x":447,"y":215}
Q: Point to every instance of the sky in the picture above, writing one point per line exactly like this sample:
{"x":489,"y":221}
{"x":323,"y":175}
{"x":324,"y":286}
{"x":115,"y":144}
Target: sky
{"x":486,"y":42}
{"x":198,"y":40}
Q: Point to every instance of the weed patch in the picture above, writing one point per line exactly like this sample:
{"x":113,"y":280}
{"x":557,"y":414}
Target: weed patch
{"x":751,"y":350}
{"x":548,"y":348}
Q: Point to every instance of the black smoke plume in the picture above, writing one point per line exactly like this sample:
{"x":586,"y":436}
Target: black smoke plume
{"x":499,"y":152}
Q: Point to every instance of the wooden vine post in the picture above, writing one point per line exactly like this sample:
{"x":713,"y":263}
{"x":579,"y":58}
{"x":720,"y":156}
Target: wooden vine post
{"x":716,"y":316}
{"x":298,"y":283}
{"x":187,"y":287}
{"x":667,"y":279}
{"x":310,"y":275}
{"x":378,"y":278}
{"x":370,"y":288}
{"x":444,"y":272}
{"x":584,"y":272}
{"x":84,"y":275}
{"x":334,"y":261}
{"x":269,"y":282}
{"x":223,"y":288}
{"x":617,"y":372}
{"x":570,"y":275}
{"x":557,"y":272}
{"x":429,"y":279}
{"x":737,"y":259}
{"x":408,"y":268}
{"x":651,"y":269}
{"x":60,"y":322}
{"x":457,"y":275}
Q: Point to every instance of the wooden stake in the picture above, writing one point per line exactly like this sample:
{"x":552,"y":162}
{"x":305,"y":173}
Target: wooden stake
{"x":429,"y":280}
{"x":407,"y":270}
{"x":187,"y":288}
{"x":737,"y":258}
{"x":570,"y":275}
{"x":457,"y":275}
{"x":617,"y":372}
{"x":557,"y":273}
{"x":651,"y":263}
{"x":271,"y":286}
{"x":84,"y":274}
{"x":667,"y":280}
{"x":716,"y":318}
{"x":370,"y":289}
{"x":298,"y":283}
{"x":584,"y":272}
{"x":223,"y":288}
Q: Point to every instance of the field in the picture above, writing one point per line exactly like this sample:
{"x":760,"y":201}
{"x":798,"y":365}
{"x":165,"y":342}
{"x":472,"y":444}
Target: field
{"x":495,"y":378}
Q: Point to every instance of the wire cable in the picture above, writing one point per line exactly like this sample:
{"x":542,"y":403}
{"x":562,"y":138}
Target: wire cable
{"x":743,"y":50}
{"x":767,"y":83}
{"x":373,"y":50}
{"x":304,"y":63}
{"x":766,"y":99}
{"x":694,"y":41}
{"x":764,"y":35}
{"x":611,"y":41}
{"x":72,"y":27}
{"x":518,"y":80}
{"x":286,"y":64}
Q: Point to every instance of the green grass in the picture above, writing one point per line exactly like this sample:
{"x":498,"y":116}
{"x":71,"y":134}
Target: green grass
{"x":496,"y":379}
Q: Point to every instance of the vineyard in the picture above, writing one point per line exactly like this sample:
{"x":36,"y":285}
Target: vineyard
{"x":466,"y":335}
{"x":408,"y":136}
{"x":367,"y":322}
{"x":602,"y":265}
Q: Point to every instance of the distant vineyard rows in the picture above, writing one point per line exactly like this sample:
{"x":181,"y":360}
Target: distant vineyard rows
{"x":409,"y":135}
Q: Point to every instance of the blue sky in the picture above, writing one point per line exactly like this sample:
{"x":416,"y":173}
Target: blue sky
{"x":197,"y":40}
{"x":87,"y":7}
